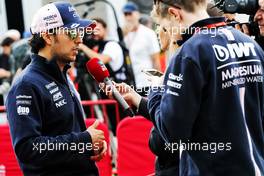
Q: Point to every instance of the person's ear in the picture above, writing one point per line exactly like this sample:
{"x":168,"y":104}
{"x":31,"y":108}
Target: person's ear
{"x":47,"y":38}
{"x":176,"y":13}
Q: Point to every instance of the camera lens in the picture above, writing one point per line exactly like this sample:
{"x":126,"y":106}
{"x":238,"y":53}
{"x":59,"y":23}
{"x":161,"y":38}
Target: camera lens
{"x":241,"y":6}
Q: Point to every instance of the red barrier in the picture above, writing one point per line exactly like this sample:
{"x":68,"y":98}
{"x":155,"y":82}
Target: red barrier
{"x":92,"y":104}
{"x":7,"y":155}
{"x":103,"y":103}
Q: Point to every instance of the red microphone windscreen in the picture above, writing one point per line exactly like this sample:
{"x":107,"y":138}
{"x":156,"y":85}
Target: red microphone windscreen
{"x":97,"y":69}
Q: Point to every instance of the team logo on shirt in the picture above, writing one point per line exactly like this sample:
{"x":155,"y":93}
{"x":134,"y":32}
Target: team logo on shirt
{"x":174,"y":84}
{"x":236,"y":71}
{"x":21,"y":110}
{"x":234,"y":50}
{"x":52,"y":91}
{"x":22,"y":102}
{"x":57,"y":96}
{"x":50,"y":85}
{"x":61,"y":103}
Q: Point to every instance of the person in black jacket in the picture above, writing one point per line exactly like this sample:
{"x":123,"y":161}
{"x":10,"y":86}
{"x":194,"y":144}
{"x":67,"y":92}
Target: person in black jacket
{"x":44,"y":112}
{"x":210,"y":107}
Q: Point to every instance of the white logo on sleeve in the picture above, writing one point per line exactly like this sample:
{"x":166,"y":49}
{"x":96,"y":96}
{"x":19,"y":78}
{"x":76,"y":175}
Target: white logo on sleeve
{"x":23,"y":97}
{"x":61,"y":103}
{"x":175,"y":81}
{"x":23,"y":110}
{"x":57,"y":96}
{"x":54,"y":90}
{"x":174,"y":84}
{"x":52,"y":84}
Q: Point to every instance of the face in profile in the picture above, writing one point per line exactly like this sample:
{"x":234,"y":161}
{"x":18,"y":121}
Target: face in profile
{"x":99,"y":32}
{"x":65,"y":45}
{"x":169,"y":30}
{"x":164,"y":38}
{"x":259,"y":18}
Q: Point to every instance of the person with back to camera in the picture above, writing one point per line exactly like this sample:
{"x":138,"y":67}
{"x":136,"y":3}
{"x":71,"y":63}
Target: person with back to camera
{"x":207,"y":103}
{"x":211,"y":101}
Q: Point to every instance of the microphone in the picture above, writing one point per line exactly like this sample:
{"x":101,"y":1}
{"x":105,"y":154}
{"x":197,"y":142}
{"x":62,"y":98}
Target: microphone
{"x":100,"y":73}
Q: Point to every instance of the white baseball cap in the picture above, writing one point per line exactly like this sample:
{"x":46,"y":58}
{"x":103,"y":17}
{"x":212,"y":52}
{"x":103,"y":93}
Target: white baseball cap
{"x":58,"y":14}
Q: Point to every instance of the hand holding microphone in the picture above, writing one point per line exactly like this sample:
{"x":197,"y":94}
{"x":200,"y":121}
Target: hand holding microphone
{"x":127,"y":92}
{"x":100,"y":73}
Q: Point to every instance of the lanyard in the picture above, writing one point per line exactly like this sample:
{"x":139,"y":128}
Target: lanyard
{"x":198,"y":29}
{"x":215,"y":25}
{"x":210,"y":26}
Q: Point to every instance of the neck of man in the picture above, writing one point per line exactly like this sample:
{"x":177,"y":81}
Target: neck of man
{"x":61,"y":65}
{"x":46,"y":53}
{"x":191,"y":18}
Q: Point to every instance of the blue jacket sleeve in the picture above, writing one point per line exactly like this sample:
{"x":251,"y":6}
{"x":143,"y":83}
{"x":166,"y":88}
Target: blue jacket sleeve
{"x":25,"y":114}
{"x":174,"y":108}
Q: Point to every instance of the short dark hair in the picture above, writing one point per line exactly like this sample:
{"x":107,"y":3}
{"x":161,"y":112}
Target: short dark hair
{"x":7,"y":41}
{"x":101,"y":21}
{"x":37,"y":42}
{"x":161,"y":6}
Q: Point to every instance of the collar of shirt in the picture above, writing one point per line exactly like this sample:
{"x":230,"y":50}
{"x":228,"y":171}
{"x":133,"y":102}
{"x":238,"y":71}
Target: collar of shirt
{"x":51,"y":68}
{"x":213,"y":22}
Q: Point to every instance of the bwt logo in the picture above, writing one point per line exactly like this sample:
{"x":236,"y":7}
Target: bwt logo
{"x":234,"y":50}
{"x":22,"y":110}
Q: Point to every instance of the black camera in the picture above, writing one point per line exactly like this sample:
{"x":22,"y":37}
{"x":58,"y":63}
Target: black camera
{"x":249,"y":7}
